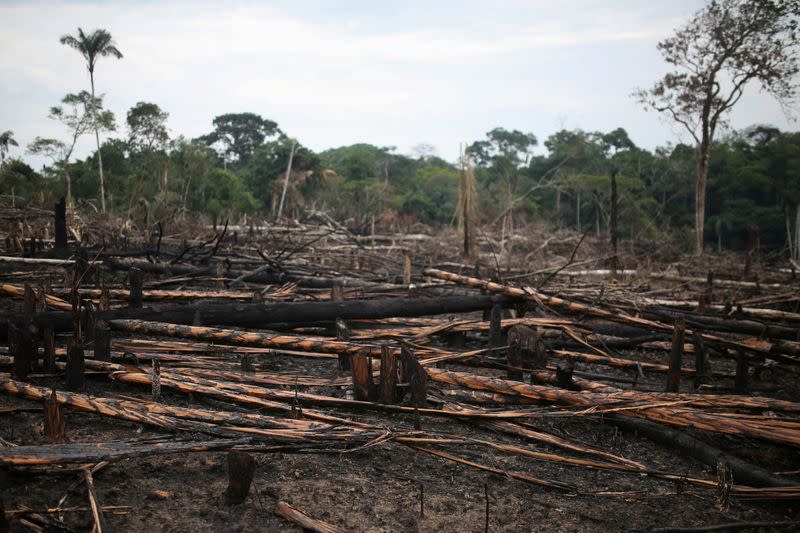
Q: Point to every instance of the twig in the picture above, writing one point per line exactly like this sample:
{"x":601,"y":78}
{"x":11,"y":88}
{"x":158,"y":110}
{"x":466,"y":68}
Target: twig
{"x":569,"y":261}
{"x":284,"y":510}
{"x":97,"y":514}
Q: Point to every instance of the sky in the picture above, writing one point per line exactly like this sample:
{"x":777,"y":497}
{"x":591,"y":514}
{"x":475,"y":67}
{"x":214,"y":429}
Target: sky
{"x":334,"y":73}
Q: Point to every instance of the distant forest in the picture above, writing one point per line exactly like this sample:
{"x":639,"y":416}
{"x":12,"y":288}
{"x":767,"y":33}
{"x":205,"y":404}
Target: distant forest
{"x":719,"y":192}
{"x":239,"y":169}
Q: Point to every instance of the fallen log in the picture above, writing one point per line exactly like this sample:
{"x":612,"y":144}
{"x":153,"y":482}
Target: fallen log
{"x":94,"y":452}
{"x":533,"y":295}
{"x":283,"y":430}
{"x":763,"y":427}
{"x":262,"y":315}
{"x":267,"y":276}
{"x":52,"y":301}
{"x":241,"y":337}
{"x":743,"y":472}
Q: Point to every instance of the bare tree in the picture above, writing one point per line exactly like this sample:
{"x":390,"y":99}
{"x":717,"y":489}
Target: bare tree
{"x":724,"y":46}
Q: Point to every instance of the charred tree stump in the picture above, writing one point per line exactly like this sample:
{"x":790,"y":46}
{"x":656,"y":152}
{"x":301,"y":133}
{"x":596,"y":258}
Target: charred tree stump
{"x":337,"y":291}
{"x":41,"y":299}
{"x":742,"y":368}
{"x":241,"y":467}
{"x":388,"y":376}
{"x":415,"y":375}
{"x":363,"y":385}
{"x":29,"y":301}
{"x":564,"y":372}
{"x":54,"y":424}
{"x":60,"y":224}
{"x":676,"y":357}
{"x":495,"y":327}
{"x":406,"y":268}
{"x":49,"y":344}
{"x":514,"y":359}
{"x":87,"y":320}
{"x":75,"y":366}
{"x":105,"y":299}
{"x":136,"y":282}
{"x":343,"y":334}
{"x":24,"y":351}
{"x":525,"y":350}
{"x":702,"y":370}
{"x":102,"y":341}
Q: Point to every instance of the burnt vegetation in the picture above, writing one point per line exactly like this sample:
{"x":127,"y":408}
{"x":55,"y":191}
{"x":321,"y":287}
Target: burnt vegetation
{"x":236,"y":333}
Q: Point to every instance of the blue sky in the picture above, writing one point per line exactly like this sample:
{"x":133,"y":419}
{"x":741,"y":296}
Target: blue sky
{"x":333,"y":73}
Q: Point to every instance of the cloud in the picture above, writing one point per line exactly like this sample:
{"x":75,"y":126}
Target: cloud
{"x":335,"y":73}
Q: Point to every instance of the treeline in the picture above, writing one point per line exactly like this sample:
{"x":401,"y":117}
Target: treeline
{"x":239,"y":168}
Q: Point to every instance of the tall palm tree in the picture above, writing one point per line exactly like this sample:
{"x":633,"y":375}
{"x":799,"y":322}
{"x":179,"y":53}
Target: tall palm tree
{"x":92,"y":47}
{"x":6,"y":140}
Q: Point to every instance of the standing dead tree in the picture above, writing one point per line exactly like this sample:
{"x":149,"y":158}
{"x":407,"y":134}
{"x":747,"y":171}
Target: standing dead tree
{"x":467,"y":195}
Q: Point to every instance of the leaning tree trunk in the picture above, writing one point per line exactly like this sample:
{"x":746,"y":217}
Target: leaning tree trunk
{"x":99,"y":154}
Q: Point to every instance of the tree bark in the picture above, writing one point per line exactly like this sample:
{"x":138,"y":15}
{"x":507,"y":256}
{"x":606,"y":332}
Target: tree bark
{"x":700,"y":194}
{"x":613,"y":228}
{"x":97,"y":140}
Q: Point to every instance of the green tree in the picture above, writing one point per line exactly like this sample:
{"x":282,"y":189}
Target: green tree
{"x":92,"y":47}
{"x":724,"y":46}
{"x":6,"y":141}
{"x":224,"y":195}
{"x":80,"y":113}
{"x":500,"y":158}
{"x":19,"y":178}
{"x":147,"y":127}
{"x":269,"y":161}
{"x":238,"y":135}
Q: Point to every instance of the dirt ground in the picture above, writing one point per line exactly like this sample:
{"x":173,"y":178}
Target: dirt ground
{"x":389,"y":487}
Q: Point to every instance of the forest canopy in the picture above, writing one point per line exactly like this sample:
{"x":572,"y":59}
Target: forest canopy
{"x":239,"y":169}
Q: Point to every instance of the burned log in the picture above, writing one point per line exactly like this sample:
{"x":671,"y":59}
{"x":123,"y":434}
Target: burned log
{"x":775,"y":350}
{"x":743,"y":471}
{"x":264,"y":314}
{"x":94,"y":452}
